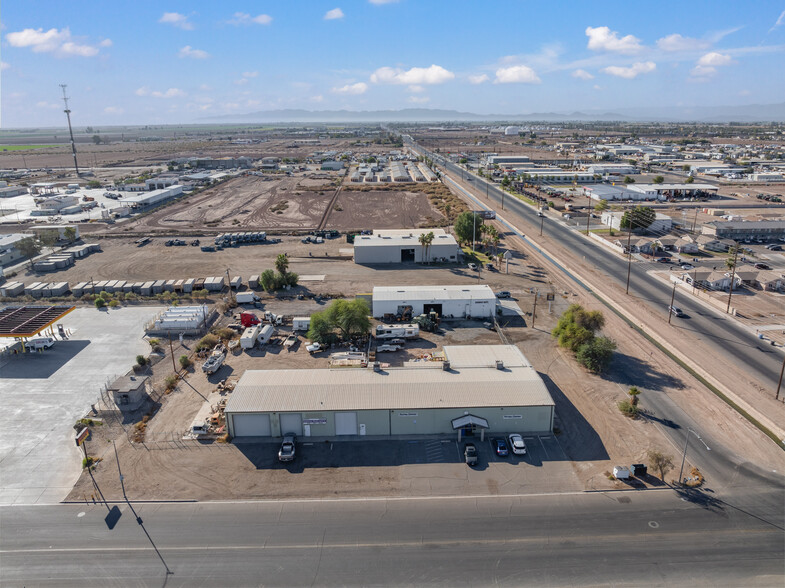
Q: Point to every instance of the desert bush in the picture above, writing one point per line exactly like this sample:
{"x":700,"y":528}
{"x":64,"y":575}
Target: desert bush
{"x":185,"y":361}
{"x":207,"y":342}
{"x":141,"y":360}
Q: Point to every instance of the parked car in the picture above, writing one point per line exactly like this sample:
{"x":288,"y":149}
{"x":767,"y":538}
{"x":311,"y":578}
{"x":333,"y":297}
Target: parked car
{"x":39,"y":343}
{"x":287,"y":450}
{"x":470,"y":454}
{"x":663,"y":259}
{"x":517,"y":445}
{"x":387,"y":347}
{"x":503,"y":294}
{"x":500,"y":446}
{"x":473,"y":267}
{"x":775,"y":247}
{"x":762,"y":266}
{"x":675,"y":311}
{"x":398,"y":342}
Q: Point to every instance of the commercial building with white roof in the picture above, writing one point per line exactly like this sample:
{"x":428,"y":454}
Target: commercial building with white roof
{"x":477,"y":388}
{"x":403,"y":246}
{"x":475,"y":301}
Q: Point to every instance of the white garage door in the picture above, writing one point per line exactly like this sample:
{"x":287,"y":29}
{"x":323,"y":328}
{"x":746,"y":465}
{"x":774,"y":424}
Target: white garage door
{"x":345,"y":423}
{"x":292,"y":423}
{"x":251,"y":425}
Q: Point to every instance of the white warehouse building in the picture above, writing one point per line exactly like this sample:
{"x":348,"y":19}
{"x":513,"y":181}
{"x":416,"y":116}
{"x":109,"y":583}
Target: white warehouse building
{"x":476,"y":301}
{"x":403,"y":246}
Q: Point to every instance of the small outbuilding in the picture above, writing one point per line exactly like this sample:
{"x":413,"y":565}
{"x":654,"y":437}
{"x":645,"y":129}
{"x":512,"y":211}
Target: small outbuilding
{"x":129,"y":392}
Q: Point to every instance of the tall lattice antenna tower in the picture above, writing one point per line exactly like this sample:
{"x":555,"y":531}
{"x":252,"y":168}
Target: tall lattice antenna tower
{"x":70,"y":131}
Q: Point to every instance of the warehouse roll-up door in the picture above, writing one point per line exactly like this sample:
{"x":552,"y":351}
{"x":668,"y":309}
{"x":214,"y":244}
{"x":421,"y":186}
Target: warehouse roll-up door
{"x":292,"y":423}
{"x":251,"y":425}
{"x":345,"y":423}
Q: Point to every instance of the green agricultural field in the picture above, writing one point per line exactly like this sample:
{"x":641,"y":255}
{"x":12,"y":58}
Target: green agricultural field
{"x":23,"y":147}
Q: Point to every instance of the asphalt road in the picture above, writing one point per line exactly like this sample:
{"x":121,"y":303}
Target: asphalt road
{"x":730,"y":343}
{"x":648,"y":537}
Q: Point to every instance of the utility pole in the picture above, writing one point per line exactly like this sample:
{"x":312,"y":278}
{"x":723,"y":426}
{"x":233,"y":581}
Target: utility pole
{"x":733,"y":276}
{"x":629,"y":251}
{"x":695,"y":220}
{"x":542,"y":221}
{"x":779,"y":384}
{"x":670,"y":308}
{"x":232,"y":296}
{"x":588,"y":215}
{"x":534,"y":310}
{"x":70,"y":130}
{"x":171,"y":352}
{"x":684,"y":455}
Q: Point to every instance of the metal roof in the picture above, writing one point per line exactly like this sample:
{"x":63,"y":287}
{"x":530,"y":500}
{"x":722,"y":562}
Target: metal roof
{"x":390,"y":389}
{"x":27,"y":321}
{"x":469,"y":292}
{"x":469,"y":419}
{"x":466,"y":356}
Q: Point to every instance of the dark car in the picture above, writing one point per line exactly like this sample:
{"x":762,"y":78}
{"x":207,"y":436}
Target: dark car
{"x":676,"y":311}
{"x":500,"y":446}
{"x":470,"y":454}
{"x":503,"y":294}
{"x":762,"y":266}
{"x":664,"y":259}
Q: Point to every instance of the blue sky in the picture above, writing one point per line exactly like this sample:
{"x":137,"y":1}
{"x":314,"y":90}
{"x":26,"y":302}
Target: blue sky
{"x":148,"y":62}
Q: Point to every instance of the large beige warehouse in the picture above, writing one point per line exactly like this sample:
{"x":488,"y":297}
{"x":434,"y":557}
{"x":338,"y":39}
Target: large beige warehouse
{"x":477,"y":388}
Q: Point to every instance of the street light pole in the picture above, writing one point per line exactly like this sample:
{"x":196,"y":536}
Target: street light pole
{"x":670,"y":308}
{"x":629,"y":251}
{"x":779,"y":384}
{"x":684,"y":455}
{"x":542,"y":220}
{"x":732,"y":277}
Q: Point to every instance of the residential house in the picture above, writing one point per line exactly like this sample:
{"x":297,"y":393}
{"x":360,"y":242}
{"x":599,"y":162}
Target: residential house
{"x":770,"y":281}
{"x":710,"y":280}
{"x":686,"y":245}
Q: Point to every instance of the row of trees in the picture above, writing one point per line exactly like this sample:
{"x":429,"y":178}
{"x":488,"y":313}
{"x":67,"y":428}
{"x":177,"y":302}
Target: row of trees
{"x":272,"y":280}
{"x":576,"y":331}
{"x":343,"y":318}
{"x":469,"y":226}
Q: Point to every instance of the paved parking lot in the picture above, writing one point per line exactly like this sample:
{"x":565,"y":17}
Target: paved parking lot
{"x":43,"y":394}
{"x":429,"y":465}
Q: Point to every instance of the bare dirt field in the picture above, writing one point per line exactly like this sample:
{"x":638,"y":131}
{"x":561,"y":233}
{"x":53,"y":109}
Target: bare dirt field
{"x":381,"y":210}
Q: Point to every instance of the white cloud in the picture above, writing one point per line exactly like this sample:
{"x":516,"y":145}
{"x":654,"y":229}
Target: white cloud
{"x":708,"y":64}
{"x":597,"y":87}
{"x":250,"y":74}
{"x":4,"y":66}
{"x":632,"y":71}
{"x":106,"y":43}
{"x":419,"y":99}
{"x":582,"y":74}
{"x":516,"y":74}
{"x":415,"y":89}
{"x":113,"y":110}
{"x":205,"y":87}
{"x":747,"y":92}
{"x":780,"y":21}
{"x":176,"y":20}
{"x":58,"y":42}
{"x":676,"y":42}
{"x":715,"y":59}
{"x":243,"y":18}
{"x":604,"y":39}
{"x":478,"y":79}
{"x":434,"y":74}
{"x":170,"y":93}
{"x":380,"y":2}
{"x":241,"y":82}
{"x":333,"y":14}
{"x":192,"y":53}
{"x":49,"y":105}
{"x":317,"y":98}
{"x":358,"y":88}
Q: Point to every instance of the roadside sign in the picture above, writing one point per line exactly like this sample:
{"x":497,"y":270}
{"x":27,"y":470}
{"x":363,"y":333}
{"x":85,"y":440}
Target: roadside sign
{"x":549,"y":296}
{"x":82,"y":436}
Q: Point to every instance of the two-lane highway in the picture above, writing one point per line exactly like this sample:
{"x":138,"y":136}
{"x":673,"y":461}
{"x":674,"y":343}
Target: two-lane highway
{"x":625,"y":538}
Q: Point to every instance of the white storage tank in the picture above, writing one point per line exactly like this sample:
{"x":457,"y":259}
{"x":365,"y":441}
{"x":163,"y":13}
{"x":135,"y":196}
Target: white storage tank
{"x":266,"y":332}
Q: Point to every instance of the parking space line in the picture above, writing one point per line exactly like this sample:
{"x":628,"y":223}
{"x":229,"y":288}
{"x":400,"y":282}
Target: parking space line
{"x":543,"y":446}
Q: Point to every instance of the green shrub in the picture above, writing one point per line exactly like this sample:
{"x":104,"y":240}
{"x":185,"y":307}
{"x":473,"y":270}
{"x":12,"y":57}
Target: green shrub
{"x":207,"y":342}
{"x":141,"y":360}
{"x":113,"y":304}
{"x":184,"y":361}
{"x":100,"y":302}
{"x":627,"y":408}
{"x":170,"y":381}
{"x":597,"y":354}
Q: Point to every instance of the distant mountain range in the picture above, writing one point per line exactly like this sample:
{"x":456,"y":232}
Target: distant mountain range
{"x":707,"y":114}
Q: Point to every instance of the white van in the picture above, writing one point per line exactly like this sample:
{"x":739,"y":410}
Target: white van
{"x":39,"y":343}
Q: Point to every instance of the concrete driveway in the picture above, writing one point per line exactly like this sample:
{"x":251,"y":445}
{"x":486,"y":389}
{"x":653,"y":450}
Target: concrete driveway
{"x":43,"y":394}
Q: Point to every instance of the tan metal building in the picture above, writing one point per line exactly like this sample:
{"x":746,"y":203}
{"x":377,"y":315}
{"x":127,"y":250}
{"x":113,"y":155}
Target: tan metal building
{"x":477,"y":388}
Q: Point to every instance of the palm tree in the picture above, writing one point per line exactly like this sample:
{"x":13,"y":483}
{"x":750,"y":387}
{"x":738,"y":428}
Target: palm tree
{"x":499,"y":258}
{"x":423,"y":240}
{"x":428,"y":242}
